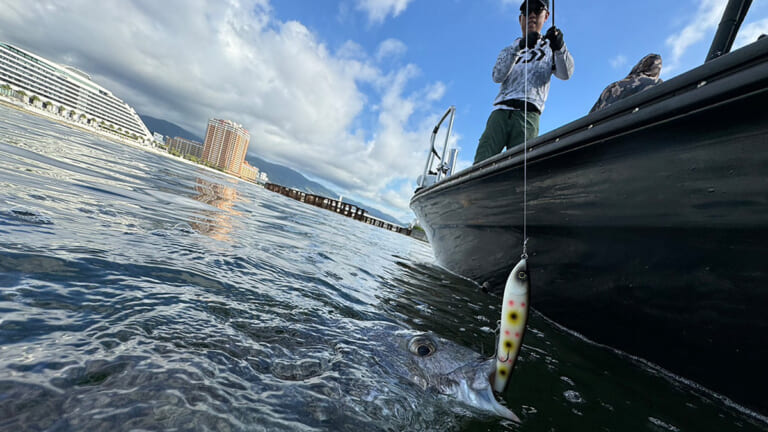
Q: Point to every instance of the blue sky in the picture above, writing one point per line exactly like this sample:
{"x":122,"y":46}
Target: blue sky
{"x":456,"y":42}
{"x":347,"y":91}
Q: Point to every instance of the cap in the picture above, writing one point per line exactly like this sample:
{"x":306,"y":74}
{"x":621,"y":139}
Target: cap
{"x":533,"y":4}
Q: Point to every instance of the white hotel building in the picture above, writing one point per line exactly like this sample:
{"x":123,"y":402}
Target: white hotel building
{"x":68,"y":89}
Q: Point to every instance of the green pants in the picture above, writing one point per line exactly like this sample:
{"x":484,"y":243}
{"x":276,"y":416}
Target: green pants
{"x":506,"y":128}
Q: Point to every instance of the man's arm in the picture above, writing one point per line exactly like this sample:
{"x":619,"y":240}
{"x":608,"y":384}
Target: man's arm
{"x":504,"y":63}
{"x":563,"y":67}
{"x":563,"y":63}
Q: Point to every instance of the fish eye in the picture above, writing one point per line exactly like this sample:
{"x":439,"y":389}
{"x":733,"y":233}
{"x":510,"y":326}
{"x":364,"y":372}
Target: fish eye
{"x":422,"y":346}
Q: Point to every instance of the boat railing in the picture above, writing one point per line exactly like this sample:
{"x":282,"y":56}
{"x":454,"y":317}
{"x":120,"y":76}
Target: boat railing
{"x":437,"y":166}
{"x":730,"y":23}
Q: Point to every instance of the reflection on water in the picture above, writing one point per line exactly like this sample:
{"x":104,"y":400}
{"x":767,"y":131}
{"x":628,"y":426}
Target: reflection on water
{"x":217,"y":225}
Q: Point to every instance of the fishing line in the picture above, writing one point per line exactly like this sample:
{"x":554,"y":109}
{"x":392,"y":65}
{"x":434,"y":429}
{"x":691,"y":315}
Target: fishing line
{"x":524,"y":255}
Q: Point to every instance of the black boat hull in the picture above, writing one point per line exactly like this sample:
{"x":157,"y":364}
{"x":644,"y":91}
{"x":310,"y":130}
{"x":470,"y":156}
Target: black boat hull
{"x":648,"y":224}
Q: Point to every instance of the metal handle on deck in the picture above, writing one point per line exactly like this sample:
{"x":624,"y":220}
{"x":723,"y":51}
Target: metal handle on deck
{"x":433,"y":155}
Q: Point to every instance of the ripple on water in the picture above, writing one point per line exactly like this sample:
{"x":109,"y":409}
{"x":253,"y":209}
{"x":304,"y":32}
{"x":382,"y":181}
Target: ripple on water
{"x":297,"y":370}
{"x":663,"y":425}
{"x":573,"y":396}
{"x":177,"y":229}
{"x":27,"y":215}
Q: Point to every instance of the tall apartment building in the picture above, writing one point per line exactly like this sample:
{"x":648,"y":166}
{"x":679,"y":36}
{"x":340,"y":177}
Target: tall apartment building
{"x":225,"y":145}
{"x":67,"y":89}
{"x":185,"y":147}
{"x":249,"y":172}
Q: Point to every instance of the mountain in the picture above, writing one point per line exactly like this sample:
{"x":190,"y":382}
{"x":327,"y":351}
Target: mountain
{"x":277,"y":174}
{"x":285,"y":176}
{"x":167,"y":128}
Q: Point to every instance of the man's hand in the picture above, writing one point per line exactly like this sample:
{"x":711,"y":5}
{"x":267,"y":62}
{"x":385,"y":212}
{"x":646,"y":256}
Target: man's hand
{"x":555,"y":37}
{"x":533,"y":37}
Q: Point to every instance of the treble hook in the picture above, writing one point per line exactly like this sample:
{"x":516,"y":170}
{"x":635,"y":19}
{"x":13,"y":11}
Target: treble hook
{"x":498,"y":336}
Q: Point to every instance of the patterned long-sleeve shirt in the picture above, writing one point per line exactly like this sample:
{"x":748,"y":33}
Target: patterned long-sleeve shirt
{"x":534,"y":66}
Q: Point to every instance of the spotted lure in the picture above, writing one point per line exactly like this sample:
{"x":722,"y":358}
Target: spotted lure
{"x":514,"y":315}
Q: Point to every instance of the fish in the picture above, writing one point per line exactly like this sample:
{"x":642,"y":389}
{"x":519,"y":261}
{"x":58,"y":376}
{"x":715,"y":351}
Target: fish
{"x":403,"y":378}
{"x":514,"y":317}
{"x":387,"y":376}
{"x":438,"y":365}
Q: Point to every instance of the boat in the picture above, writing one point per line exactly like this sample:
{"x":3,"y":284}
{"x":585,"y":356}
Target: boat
{"x":647,"y":220}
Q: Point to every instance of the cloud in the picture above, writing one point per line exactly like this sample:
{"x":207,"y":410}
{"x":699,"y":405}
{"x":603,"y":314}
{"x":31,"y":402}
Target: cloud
{"x":618,"y":62}
{"x":336,"y":115}
{"x":750,"y":33}
{"x":703,"y":22}
{"x":379,"y":10}
{"x":351,"y":50}
{"x":391,"y":48}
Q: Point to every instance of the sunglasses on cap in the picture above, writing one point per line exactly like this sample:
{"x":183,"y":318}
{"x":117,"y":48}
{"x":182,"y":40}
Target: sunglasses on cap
{"x":536,"y":10}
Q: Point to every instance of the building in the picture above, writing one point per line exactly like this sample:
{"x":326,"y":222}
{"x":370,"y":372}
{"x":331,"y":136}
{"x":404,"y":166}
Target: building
{"x":185,"y":147}
{"x":263,"y":177}
{"x":249,"y":172}
{"x":225,"y":145}
{"x":68,"y":91}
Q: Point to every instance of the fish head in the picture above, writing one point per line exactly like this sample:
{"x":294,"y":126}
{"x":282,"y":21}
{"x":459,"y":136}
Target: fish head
{"x":444,"y":367}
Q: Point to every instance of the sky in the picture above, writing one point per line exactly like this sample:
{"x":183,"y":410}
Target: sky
{"x":348,"y":91}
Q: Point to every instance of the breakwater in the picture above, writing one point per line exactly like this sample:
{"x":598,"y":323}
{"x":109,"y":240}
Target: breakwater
{"x":337,"y":206}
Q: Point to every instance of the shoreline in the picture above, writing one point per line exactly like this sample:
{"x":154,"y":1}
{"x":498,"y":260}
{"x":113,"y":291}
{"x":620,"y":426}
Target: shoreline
{"x":28,"y":109}
{"x":37,"y":112}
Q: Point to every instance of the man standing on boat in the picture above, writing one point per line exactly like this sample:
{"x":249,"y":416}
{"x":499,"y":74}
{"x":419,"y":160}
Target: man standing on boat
{"x":524,"y":70}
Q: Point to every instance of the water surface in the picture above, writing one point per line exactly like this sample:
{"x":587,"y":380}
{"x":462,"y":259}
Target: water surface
{"x":138,"y":292}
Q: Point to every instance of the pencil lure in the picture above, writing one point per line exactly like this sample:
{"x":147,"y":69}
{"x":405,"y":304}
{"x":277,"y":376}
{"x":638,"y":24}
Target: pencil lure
{"x":514,"y":315}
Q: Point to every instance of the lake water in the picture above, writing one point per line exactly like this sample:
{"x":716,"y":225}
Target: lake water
{"x":138,"y":292}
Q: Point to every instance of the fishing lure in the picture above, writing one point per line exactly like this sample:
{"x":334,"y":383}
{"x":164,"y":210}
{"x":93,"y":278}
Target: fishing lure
{"x":514,"y":316}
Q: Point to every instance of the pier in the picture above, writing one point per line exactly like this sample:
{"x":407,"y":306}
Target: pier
{"x":337,"y":206}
